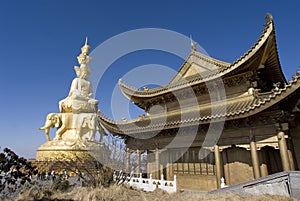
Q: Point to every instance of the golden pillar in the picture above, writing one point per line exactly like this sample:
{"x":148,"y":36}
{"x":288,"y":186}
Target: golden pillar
{"x":283,"y":151}
{"x":138,"y":162}
{"x":157,"y":162}
{"x":226,"y":167}
{"x":169,"y":168}
{"x":292,"y":164}
{"x":218,"y":163}
{"x":255,"y":159}
{"x":290,"y":153}
{"x":128,"y":160}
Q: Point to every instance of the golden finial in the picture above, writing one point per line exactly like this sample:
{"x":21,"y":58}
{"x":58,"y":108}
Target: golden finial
{"x":86,"y":41}
{"x":193,"y":44}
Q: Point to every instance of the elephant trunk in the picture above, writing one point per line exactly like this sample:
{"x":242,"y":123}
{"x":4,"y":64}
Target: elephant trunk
{"x":44,"y":128}
{"x":47,"y":129}
{"x":47,"y":125}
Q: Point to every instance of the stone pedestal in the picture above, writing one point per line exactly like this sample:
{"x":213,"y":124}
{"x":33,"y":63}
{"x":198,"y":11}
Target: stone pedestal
{"x":59,"y":150}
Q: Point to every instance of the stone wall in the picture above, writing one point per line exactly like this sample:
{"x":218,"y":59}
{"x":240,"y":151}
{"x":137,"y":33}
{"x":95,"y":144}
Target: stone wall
{"x":237,"y":165}
{"x":196,"y":182}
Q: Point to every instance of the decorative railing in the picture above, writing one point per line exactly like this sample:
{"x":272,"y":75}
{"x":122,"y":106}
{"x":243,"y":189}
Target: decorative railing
{"x":149,"y":184}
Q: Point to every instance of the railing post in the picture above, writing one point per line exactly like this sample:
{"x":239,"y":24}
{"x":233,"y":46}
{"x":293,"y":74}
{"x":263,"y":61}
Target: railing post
{"x":223,"y":185}
{"x":128,"y":160}
{"x":175,"y":183}
{"x":140,"y":179}
{"x":151,"y":182}
{"x":162,"y":180}
{"x":150,"y":179}
{"x":114,"y":176}
{"x":130,"y":180}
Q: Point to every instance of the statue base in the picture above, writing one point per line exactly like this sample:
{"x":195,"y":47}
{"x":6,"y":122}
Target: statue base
{"x":59,"y":155}
{"x":60,"y":150}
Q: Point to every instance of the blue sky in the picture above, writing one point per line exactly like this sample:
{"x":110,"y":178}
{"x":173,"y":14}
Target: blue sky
{"x":40,"y":41}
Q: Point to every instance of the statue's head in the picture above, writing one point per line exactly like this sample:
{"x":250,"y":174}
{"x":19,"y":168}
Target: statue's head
{"x":83,"y":71}
{"x":83,"y":59}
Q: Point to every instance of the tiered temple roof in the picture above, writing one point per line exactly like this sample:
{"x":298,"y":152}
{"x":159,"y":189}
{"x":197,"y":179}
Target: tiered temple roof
{"x":261,"y":61}
{"x":261,"y":56}
{"x":235,"y":108}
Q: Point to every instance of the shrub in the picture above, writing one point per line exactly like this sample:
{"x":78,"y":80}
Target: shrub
{"x":60,"y":184}
{"x":15,"y":171}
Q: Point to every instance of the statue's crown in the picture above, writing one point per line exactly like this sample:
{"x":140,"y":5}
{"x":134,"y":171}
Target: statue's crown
{"x":83,"y":58}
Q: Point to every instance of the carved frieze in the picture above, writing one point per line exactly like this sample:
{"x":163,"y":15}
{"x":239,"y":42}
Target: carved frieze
{"x":265,"y":118}
{"x":239,"y":79}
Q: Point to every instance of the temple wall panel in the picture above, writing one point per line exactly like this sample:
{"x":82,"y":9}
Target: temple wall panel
{"x":152,"y":169}
{"x":169,"y":171}
{"x":237,"y":165}
{"x":194,"y":168}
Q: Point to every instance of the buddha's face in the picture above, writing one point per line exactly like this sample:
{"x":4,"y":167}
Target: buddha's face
{"x":84,"y":73}
{"x":81,"y":60}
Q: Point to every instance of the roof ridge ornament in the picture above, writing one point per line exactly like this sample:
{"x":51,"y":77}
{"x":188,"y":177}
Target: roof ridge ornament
{"x":269,"y":17}
{"x":193,"y":44}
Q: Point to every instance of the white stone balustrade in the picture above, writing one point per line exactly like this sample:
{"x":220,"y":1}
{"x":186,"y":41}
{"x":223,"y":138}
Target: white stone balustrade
{"x":151,"y":184}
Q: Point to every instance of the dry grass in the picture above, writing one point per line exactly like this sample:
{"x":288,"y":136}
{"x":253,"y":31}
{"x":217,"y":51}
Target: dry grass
{"x":125,"y":193}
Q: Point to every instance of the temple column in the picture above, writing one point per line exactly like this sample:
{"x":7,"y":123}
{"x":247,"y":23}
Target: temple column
{"x":283,"y":151}
{"x":138,"y":162}
{"x":255,"y":159}
{"x":218,"y":163}
{"x":263,"y":165}
{"x":169,"y":169}
{"x":292,"y":164}
{"x":128,"y":160}
{"x":226,"y":167}
{"x":290,"y":153}
{"x":157,"y":163}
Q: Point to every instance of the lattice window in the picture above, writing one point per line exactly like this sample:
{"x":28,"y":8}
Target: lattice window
{"x":191,"y":162}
